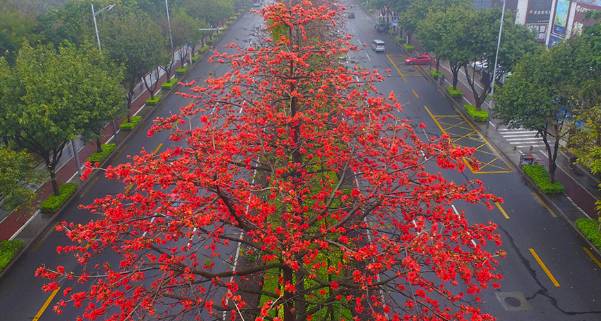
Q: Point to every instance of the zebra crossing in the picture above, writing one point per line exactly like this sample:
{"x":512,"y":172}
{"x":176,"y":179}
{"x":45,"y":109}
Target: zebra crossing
{"x":522,"y":138}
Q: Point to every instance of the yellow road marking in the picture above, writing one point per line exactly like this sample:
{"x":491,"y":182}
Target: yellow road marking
{"x":442,"y":130}
{"x":414,"y":93}
{"x":502,"y":210}
{"x":542,"y":203}
{"x":592,"y":257}
{"x":45,"y":305}
{"x":398,"y":70}
{"x":544,"y":267}
{"x":157,"y":148}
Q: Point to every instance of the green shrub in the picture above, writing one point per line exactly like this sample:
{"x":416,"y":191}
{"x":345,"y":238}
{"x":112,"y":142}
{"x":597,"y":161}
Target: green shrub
{"x":203,"y":49}
{"x":54,"y":202}
{"x":538,"y":173}
{"x":8,"y":250}
{"x":435,"y":74}
{"x":408,"y":47}
{"x":131,"y":124}
{"x":590,"y":229}
{"x":99,"y":157}
{"x":475,"y":114}
{"x":153,"y":101}
{"x":181,"y":70}
{"x":169,"y":84}
{"x":454,"y":92}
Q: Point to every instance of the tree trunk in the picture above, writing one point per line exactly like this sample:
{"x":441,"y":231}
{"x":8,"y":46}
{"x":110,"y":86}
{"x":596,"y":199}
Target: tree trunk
{"x":98,"y":144}
{"x":455,"y":72}
{"x":130,"y":97}
{"x":300,"y":305}
{"x":289,"y":313}
{"x":553,"y":159}
{"x":437,"y":64}
{"x":52,"y":172}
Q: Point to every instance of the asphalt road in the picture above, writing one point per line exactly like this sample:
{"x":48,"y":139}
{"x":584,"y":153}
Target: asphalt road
{"x":568,"y":287}
{"x":21,"y":297}
{"x":529,"y":288}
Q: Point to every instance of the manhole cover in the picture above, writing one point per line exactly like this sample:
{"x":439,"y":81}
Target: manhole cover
{"x":513,"y":301}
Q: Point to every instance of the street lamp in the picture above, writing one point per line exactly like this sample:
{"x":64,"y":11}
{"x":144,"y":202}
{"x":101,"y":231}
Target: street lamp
{"x":169,"y":23}
{"x":94,"y":14}
{"x":494,"y":73}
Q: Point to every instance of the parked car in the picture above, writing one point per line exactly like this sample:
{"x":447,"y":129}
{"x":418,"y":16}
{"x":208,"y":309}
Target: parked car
{"x":378,"y":45}
{"x":421,"y":59}
{"x":350,"y":15}
{"x":480,"y":65}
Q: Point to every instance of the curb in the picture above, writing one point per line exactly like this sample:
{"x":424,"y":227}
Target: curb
{"x":550,"y":204}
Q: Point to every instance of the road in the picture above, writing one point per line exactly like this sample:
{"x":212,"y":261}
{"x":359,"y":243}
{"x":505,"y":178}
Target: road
{"x":549,"y":274}
{"x":21,"y":298}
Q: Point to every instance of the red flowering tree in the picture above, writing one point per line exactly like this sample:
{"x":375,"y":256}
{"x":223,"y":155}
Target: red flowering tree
{"x":296,"y":164}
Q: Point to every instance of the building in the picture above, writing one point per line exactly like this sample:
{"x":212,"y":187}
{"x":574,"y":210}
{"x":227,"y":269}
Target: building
{"x":568,"y":17}
{"x":535,"y":15}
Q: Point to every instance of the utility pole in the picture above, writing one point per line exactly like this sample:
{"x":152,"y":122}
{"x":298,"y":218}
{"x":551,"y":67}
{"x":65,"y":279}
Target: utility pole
{"x":169,"y":24}
{"x":94,"y":14}
{"x":494,"y":74}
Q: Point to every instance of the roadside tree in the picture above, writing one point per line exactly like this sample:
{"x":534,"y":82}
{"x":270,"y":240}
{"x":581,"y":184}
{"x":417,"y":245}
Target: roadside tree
{"x":310,"y":177}
{"x":538,"y":97}
{"x":55,"y":96}
{"x":133,"y":40}
{"x":16,"y":173}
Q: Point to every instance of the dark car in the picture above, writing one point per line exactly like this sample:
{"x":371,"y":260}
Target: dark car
{"x":422,"y":59}
{"x":350,"y":15}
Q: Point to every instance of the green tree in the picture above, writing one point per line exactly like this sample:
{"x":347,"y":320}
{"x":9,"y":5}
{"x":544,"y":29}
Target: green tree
{"x":15,"y":27}
{"x":55,"y":96}
{"x":214,"y":12}
{"x":16,"y":172}
{"x":133,"y":40}
{"x":516,"y":42}
{"x":417,"y":11}
{"x":536,"y":97}
{"x":71,"y":22}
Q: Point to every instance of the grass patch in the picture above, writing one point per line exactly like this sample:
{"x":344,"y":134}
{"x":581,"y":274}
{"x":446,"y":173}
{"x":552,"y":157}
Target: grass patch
{"x":153,"y":101}
{"x":435,"y":74}
{"x":8,"y":251}
{"x":590,"y":229}
{"x":476,"y":114}
{"x":408,"y":47}
{"x":169,"y":83}
{"x":99,"y":157}
{"x":454,"y":92}
{"x":131,"y":124}
{"x":54,"y":202}
{"x":540,"y":176}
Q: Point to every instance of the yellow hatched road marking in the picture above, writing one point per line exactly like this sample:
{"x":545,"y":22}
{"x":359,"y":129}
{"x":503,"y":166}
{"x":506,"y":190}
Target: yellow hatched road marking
{"x":544,"y":267}
{"x":592,"y":256}
{"x":45,"y":305}
{"x":502,"y":210}
{"x":414,"y":93}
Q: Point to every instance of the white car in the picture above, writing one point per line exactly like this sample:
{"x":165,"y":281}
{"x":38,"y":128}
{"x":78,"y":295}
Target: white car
{"x":378,"y":45}
{"x":480,"y":65}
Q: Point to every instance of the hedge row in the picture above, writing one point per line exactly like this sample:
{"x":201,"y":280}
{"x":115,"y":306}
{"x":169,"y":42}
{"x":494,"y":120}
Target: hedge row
{"x":435,"y":74}
{"x":475,"y":113}
{"x":408,"y":47}
{"x":181,"y":70}
{"x":170,"y":83}
{"x":8,"y":250}
{"x":538,"y":173}
{"x":454,"y":92}
{"x":131,"y":124}
{"x":153,"y":101}
{"x":99,"y":157}
{"x":590,"y":229}
{"x":53,"y":203}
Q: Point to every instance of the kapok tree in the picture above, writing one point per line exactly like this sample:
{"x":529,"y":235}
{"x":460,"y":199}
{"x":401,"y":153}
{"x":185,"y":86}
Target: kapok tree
{"x":296,"y":164}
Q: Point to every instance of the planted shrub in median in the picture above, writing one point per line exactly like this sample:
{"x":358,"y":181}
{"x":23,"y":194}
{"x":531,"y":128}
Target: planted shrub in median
{"x":8,"y":250}
{"x":435,"y":74}
{"x":132,"y":124}
{"x":540,"y":176}
{"x":181,"y":70}
{"x":590,"y":229}
{"x":99,"y":157}
{"x":475,"y":114}
{"x":53,"y":203}
{"x":408,"y":47}
{"x":153,"y":101}
{"x":454,"y":92}
{"x":170,"y":83}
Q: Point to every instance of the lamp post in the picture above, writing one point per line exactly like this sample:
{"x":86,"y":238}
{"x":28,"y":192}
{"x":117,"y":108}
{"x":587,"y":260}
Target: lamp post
{"x":494,"y":73}
{"x":94,"y":14}
{"x":169,"y":23}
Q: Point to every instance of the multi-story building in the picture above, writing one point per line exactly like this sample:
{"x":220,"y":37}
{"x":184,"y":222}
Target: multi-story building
{"x":535,"y":15}
{"x":568,"y":17}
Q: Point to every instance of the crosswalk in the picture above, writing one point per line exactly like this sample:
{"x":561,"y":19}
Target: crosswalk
{"x":522,"y":138}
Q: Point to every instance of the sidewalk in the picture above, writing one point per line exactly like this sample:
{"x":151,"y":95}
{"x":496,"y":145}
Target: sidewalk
{"x":581,"y":187}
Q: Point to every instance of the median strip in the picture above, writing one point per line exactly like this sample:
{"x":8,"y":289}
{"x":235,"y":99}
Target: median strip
{"x":544,"y":267}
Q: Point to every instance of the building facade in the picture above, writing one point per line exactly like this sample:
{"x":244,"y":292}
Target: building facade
{"x":568,"y":17}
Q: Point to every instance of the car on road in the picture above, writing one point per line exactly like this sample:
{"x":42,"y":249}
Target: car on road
{"x":378,"y":45}
{"x":350,"y":15}
{"x":421,"y":59}
{"x":480,"y":65}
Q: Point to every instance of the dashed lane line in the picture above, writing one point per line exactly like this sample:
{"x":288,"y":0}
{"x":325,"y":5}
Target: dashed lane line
{"x":544,"y":267}
{"x":45,"y":305}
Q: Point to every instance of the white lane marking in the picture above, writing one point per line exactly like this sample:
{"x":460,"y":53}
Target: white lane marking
{"x":492,"y":124}
{"x":25,"y":225}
